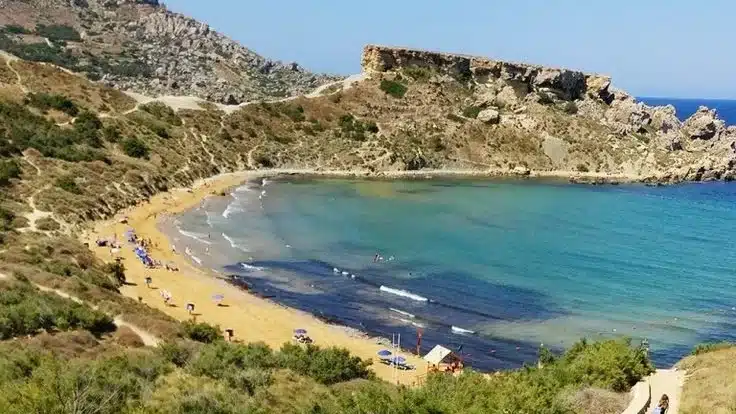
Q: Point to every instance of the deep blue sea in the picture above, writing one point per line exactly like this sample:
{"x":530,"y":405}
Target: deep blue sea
{"x":685,"y":107}
{"x":494,"y":267}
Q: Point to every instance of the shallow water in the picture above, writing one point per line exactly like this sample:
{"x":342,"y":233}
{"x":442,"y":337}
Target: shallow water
{"x":497,"y":267}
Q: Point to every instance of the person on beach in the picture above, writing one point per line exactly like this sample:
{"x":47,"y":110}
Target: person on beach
{"x":662,"y":406}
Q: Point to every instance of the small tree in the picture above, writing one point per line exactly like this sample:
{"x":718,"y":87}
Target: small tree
{"x":202,"y":332}
{"x":136,"y":148}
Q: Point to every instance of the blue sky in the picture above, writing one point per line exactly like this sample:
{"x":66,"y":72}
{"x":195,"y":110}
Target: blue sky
{"x":670,"y":48}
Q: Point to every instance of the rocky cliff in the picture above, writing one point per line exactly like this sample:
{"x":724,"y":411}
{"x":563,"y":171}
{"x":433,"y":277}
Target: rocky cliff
{"x":701,"y":147}
{"x":139,"y":45}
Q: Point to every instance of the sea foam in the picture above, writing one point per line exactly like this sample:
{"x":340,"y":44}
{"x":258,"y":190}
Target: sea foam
{"x":404,"y":293}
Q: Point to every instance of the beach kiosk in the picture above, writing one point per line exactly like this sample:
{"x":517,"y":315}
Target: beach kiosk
{"x":441,"y":355}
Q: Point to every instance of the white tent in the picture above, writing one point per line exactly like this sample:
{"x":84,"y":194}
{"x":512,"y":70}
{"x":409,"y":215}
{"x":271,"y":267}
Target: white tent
{"x":437,"y":354}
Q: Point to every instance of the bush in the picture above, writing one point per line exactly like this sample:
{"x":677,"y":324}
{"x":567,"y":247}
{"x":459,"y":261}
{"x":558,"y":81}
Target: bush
{"x":711,"y":347}
{"x":14,"y":29}
{"x":110,"y":133}
{"x":327,"y":366}
{"x":47,"y":224}
{"x":472,"y":111}
{"x":87,"y":125}
{"x":393,"y":88}
{"x":570,"y":108}
{"x":68,"y":184}
{"x":117,"y":271}
{"x":46,"y":101}
{"x":9,"y":169}
{"x":417,"y":73}
{"x":202,"y":332}
{"x":134,"y":147}
{"x":582,"y":168}
{"x":58,"y":32}
{"x":162,"y":112}
{"x":26,"y":311}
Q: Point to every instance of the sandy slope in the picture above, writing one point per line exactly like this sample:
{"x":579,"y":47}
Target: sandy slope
{"x":252,"y":318}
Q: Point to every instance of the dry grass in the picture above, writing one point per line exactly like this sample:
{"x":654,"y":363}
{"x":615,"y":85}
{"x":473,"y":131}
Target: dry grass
{"x":710,"y":387}
{"x":39,"y":77}
{"x":597,"y":400}
{"x":126,"y":337}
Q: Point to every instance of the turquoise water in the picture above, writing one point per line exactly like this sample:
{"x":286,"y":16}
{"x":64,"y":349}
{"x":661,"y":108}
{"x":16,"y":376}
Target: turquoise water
{"x":509,"y":264}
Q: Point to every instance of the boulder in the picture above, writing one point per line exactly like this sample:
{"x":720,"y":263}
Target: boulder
{"x":489,"y":116}
{"x":597,"y":87}
{"x":704,"y":124}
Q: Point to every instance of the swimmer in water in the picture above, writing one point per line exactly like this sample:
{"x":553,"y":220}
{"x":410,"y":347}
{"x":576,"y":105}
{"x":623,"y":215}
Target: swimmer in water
{"x":375,"y":258}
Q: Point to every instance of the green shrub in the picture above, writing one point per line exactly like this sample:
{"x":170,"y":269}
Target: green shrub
{"x":110,"y":133}
{"x":46,"y":101}
{"x":162,"y":112}
{"x":295,"y":113}
{"x":472,"y":111}
{"x":26,"y":311}
{"x":58,"y":32}
{"x":88,"y":125}
{"x":570,"y":108}
{"x":393,"y":88}
{"x":202,"y":332}
{"x":455,"y":118}
{"x":9,"y":169}
{"x":136,"y":148}
{"x":328,"y":366}
{"x":14,"y":29}
{"x":710,"y":347}
{"x":582,"y":168}
{"x":67,"y":183}
{"x":417,"y":73}
{"x":117,"y":271}
{"x":7,"y":218}
{"x":47,"y":224}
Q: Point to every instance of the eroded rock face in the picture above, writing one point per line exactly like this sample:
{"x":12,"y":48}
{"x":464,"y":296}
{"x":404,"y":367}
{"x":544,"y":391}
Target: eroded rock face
{"x":704,"y":124}
{"x":564,"y":83}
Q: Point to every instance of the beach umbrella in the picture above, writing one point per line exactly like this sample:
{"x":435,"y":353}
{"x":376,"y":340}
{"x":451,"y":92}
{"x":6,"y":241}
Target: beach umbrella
{"x":218,"y":297}
{"x":384,"y":353}
{"x":300,"y":331}
{"x":398,"y":360}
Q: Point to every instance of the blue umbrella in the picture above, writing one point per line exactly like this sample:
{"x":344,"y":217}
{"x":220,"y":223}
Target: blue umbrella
{"x":398,"y":360}
{"x":385,"y":353}
{"x":300,"y":331}
{"x":218,"y":297}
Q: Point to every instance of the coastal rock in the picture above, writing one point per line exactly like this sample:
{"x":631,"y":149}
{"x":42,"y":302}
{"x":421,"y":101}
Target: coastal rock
{"x":597,"y":87}
{"x":703,"y":124}
{"x":489,"y":116}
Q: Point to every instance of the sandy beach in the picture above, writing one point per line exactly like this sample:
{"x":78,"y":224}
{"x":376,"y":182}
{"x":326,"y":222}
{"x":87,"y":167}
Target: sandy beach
{"x":252,"y":318}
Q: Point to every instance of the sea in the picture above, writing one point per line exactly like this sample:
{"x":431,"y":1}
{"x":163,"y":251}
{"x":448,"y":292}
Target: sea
{"x":492,"y":269}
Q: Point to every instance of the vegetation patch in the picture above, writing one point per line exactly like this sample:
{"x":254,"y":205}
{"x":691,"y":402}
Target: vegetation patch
{"x":393,"y":88}
{"x":46,"y":101}
{"x":134,"y":147}
{"x":58,"y":32}
{"x":472,"y":111}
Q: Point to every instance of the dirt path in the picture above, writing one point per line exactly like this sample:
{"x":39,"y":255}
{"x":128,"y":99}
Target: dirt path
{"x":8,"y":59}
{"x":670,"y":382}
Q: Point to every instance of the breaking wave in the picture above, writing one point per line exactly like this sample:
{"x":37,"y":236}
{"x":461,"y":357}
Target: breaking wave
{"x":233,"y":244}
{"x":196,"y":236}
{"x":403,"y":293}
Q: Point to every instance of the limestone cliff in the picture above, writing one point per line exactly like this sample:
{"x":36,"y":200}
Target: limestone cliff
{"x":666,"y":149}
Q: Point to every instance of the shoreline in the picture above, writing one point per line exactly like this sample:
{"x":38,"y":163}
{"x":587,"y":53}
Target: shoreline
{"x":252,"y":317}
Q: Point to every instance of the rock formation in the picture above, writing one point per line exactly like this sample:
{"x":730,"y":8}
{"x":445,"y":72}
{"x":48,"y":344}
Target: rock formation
{"x":139,"y":45}
{"x":662,"y":147}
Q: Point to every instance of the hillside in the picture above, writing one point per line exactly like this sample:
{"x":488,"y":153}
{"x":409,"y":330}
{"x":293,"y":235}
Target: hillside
{"x":74,"y":149}
{"x":139,"y":45}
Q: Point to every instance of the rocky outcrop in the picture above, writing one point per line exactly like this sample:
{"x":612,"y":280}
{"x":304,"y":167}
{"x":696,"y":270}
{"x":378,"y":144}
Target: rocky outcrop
{"x":153,"y":51}
{"x":704,"y":124}
{"x":564,"y":84}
